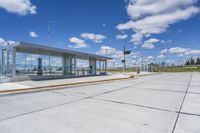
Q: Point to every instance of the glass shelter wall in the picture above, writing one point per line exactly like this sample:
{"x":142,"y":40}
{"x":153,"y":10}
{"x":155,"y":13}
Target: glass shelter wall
{"x":6,"y":62}
{"x":83,"y":68}
{"x":15,"y":62}
{"x":101,"y":67}
{"x":28,"y":64}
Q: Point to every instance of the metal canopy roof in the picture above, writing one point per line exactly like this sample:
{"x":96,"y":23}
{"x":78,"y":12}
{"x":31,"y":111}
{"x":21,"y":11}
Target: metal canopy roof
{"x":41,"y":49}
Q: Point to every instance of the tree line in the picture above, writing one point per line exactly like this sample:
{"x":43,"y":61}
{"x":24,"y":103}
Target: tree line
{"x":193,"y":61}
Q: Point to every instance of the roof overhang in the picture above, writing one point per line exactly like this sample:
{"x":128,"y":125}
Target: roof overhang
{"x":45,"y":50}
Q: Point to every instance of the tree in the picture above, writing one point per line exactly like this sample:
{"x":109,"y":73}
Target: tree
{"x":187,"y":63}
{"x":198,"y":61}
{"x":192,"y":62}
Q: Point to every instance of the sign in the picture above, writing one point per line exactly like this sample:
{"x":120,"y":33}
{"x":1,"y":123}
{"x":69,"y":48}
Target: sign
{"x":123,"y":61}
{"x":40,"y":72}
{"x":127,"y":52}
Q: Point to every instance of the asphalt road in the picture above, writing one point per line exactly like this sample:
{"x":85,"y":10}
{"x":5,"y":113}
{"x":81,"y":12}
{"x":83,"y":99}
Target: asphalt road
{"x":163,"y":103}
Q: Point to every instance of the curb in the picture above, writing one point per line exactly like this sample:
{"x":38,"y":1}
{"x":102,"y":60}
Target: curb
{"x":55,"y":87}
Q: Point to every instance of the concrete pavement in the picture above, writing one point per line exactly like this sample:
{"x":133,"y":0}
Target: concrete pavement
{"x":45,"y":84}
{"x":31,"y":86}
{"x":163,"y":103}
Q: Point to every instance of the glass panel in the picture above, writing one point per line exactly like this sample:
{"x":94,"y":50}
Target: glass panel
{"x":72,"y":66}
{"x":56,"y":65}
{"x":4,"y":62}
{"x":27,"y":64}
{"x":82,"y":67}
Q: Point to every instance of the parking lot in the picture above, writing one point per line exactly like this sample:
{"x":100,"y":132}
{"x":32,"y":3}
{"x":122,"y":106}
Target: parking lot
{"x":161,"y":103}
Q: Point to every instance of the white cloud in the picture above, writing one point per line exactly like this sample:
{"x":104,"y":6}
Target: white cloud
{"x":155,"y":16}
{"x":193,"y":52}
{"x":137,"y":38}
{"x":121,"y":36}
{"x":164,"y":51}
{"x":4,"y":42}
{"x":21,"y":7}
{"x":149,"y":44}
{"x":178,"y":50}
{"x":161,"y":56}
{"x":111,"y":52}
{"x":149,"y":58}
{"x":106,"y":50}
{"x":11,"y":42}
{"x":104,"y":25}
{"x":138,"y":8}
{"x":78,"y":43}
{"x":168,"y":41}
{"x":33,"y":34}
{"x":98,"y":38}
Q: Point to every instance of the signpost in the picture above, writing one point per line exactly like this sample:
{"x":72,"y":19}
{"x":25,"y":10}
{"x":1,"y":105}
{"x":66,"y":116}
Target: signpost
{"x":124,"y":60}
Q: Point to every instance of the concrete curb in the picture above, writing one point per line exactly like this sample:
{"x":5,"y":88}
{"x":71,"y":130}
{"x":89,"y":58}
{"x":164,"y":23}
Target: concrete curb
{"x":53,"y":87}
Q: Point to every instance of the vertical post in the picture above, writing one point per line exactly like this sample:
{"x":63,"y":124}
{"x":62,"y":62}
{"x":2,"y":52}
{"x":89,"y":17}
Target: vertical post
{"x":92,"y":64}
{"x":64,"y":69}
{"x":106,"y":66}
{"x":49,"y":33}
{"x":49,"y":46}
{"x":124,"y":62}
{"x":40,"y":71}
{"x":103,"y":66}
{"x":95,"y":67}
{"x":7,"y":62}
{"x":1,"y":61}
{"x":68,"y":65}
{"x":142,"y":65}
{"x":100,"y":67}
{"x":13,"y":62}
{"x":75,"y":65}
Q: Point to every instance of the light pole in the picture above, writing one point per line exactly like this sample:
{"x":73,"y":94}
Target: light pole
{"x":49,"y":43}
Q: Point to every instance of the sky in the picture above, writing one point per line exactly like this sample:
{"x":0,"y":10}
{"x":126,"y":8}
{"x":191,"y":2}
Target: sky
{"x":164,"y":30}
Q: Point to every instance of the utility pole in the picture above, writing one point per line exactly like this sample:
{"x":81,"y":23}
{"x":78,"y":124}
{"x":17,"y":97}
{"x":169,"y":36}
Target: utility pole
{"x":49,"y":33}
{"x":106,"y":52}
{"x":49,"y":43}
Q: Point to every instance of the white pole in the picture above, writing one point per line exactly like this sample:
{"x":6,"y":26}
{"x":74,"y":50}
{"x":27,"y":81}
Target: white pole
{"x":49,"y":46}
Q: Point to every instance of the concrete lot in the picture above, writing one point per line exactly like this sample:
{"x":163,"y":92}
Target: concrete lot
{"x":164,"y":103}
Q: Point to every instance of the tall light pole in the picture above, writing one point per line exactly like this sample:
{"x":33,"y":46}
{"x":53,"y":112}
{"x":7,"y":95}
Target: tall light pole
{"x":49,"y":43}
{"x":49,"y":46}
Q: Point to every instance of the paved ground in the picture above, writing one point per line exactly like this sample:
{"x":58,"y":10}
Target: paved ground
{"x":32,"y":84}
{"x":164,"y":103}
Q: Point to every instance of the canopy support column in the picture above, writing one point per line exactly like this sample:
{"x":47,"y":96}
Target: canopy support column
{"x":13,"y":62}
{"x":64,"y":65}
{"x":92,"y":64}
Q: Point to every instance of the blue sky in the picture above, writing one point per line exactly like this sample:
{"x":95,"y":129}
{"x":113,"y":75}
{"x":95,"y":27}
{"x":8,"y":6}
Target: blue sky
{"x":157,"y":30}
